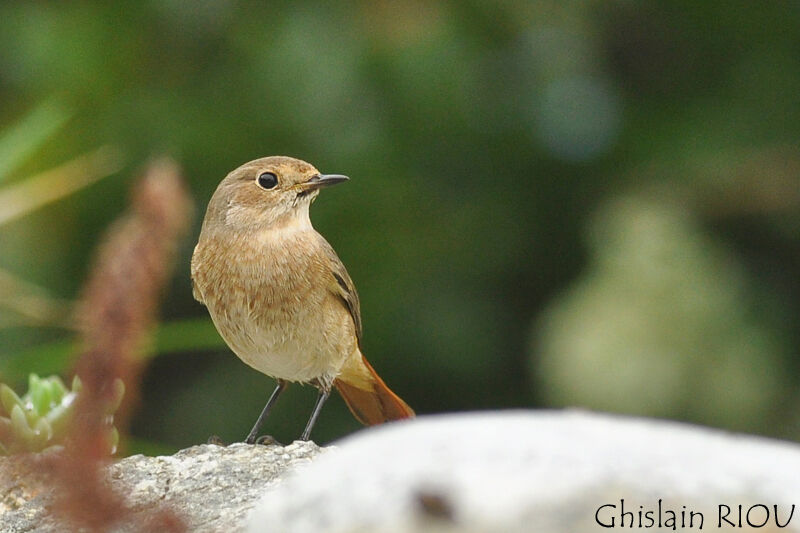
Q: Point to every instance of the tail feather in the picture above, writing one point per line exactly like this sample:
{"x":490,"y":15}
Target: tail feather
{"x":370,"y":400}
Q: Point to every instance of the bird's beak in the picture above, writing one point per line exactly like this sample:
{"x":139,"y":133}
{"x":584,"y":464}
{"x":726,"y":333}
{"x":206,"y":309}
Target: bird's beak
{"x":323,"y":180}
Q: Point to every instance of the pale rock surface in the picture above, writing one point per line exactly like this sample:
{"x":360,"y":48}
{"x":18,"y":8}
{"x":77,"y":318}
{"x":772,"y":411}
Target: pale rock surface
{"x":533,"y":471}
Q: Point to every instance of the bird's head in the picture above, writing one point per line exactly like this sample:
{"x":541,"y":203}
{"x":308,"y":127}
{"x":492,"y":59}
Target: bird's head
{"x":271,"y":192}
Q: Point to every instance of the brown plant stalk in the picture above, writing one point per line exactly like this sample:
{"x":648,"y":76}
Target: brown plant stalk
{"x":116,"y":313}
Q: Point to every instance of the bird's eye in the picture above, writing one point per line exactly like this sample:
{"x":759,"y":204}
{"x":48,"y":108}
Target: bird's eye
{"x":267,"y":180}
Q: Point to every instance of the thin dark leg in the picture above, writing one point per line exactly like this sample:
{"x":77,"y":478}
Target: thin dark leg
{"x":251,"y":437}
{"x":323,"y":395}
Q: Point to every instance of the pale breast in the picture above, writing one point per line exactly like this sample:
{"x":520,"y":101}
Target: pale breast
{"x":269,"y":299}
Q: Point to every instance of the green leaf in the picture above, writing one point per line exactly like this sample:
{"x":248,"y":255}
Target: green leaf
{"x":9,"y":398}
{"x":20,"y":424}
{"x":37,"y":422}
{"x":21,"y":141}
{"x":57,"y":389}
{"x":60,"y":416}
{"x":39,"y":395}
{"x":44,"y":431}
{"x":40,"y":436}
{"x":30,"y":414}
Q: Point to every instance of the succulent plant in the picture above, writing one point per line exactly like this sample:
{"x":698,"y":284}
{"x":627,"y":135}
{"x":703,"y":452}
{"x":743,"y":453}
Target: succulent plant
{"x":42,"y":417}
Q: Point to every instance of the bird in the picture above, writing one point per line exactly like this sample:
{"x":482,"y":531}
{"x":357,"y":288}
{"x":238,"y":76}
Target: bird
{"x":279,"y":295}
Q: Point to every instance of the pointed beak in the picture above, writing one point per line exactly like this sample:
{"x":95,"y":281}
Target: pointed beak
{"x":323,"y":180}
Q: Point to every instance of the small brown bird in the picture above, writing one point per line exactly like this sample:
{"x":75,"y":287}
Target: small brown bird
{"x":279,"y":295}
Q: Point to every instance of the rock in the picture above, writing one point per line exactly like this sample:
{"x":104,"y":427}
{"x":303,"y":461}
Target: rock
{"x":212,"y":487}
{"x":479,"y":472}
{"x":536,"y":471}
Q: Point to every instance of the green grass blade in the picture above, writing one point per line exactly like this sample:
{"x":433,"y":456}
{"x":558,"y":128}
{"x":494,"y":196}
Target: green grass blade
{"x":21,"y":141}
{"x":23,"y":197}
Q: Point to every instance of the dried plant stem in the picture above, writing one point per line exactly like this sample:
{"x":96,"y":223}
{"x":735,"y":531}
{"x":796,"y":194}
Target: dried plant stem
{"x":115,"y":315}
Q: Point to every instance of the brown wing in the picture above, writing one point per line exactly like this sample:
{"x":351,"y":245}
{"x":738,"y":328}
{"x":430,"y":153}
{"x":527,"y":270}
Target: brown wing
{"x":342,"y":286}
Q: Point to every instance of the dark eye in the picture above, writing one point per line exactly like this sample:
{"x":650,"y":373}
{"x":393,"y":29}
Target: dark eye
{"x":267,"y":180}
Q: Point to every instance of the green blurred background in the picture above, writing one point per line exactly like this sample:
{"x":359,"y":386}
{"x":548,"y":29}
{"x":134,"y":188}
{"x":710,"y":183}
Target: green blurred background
{"x":586,"y":204}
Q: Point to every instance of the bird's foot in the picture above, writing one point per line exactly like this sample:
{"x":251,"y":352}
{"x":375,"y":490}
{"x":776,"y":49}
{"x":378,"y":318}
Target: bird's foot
{"x":268,"y":440}
{"x":216,"y":439}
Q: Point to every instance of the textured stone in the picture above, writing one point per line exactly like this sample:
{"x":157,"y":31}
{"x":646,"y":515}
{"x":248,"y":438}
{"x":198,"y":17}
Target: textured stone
{"x":480,"y":472}
{"x":212,"y":487}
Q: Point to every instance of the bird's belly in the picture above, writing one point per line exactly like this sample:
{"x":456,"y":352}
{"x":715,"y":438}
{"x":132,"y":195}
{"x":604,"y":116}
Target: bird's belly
{"x":293,"y":356}
{"x":294,"y":343}
{"x":270,"y":302}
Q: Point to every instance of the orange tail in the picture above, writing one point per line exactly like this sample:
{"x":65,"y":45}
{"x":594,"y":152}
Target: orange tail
{"x":368,"y":397}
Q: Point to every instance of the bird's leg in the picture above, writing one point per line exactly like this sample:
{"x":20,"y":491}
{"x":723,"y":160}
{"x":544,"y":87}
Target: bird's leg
{"x":324,"y":392}
{"x":251,"y":437}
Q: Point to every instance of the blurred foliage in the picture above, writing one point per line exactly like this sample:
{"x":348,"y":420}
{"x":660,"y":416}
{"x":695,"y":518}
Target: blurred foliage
{"x":666,"y":316}
{"x":43,"y":416}
{"x":484,"y":140}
